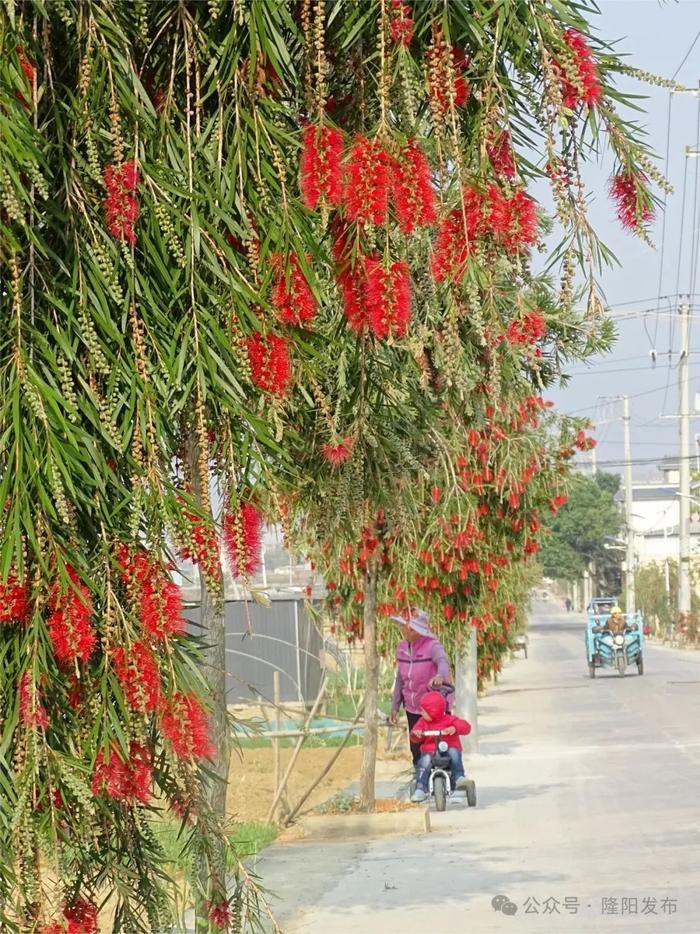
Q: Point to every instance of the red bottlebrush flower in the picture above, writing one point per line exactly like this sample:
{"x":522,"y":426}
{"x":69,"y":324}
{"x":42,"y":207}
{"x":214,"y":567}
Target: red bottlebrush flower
{"x":321,"y":174}
{"x":451,"y":249}
{"x":528,"y":329}
{"x":388,"y":298}
{"x":153,"y":592}
{"x":242,"y":535}
{"x":139,"y":676}
{"x":338,"y":453}
{"x":270,"y":363}
{"x":350,"y":275}
{"x":69,"y":625}
{"x":500,"y":154}
{"x":413,"y":193}
{"x":14,"y":600}
{"x":523,"y":226}
{"x":121,"y":206}
{"x":182,"y":806}
{"x":436,"y":494}
{"x":75,"y":693}
{"x":401,"y":24}
{"x":292,"y":296}
{"x":556,"y":503}
{"x":512,"y":221}
{"x":623,"y":190}
{"x":161,"y":608}
{"x":32,"y":712}
{"x":127,"y":779}
{"x":184,"y":724}
{"x":236,"y":242}
{"x":81,"y":917}
{"x":368,"y":182}
{"x":26,"y":64}
{"x":353,"y":288}
{"x":586,"y":89}
{"x":220,"y":914}
{"x":456,"y":235}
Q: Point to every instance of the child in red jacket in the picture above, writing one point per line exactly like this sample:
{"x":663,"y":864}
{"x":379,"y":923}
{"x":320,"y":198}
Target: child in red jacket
{"x":434,"y":717}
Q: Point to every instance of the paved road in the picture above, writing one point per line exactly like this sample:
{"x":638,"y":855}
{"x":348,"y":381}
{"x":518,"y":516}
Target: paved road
{"x":588,"y":790}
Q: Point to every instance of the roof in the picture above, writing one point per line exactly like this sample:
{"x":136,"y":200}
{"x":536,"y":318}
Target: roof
{"x":649,"y":494}
{"x":671,"y":531}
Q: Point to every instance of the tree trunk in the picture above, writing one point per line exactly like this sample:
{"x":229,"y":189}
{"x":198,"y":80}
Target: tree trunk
{"x":369,"y":751}
{"x":466,"y":691}
{"x":213,"y":623}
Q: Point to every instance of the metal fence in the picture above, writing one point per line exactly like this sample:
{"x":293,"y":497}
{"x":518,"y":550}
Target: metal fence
{"x":282,"y":638}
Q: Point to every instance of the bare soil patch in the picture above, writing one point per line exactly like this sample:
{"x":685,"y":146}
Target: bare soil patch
{"x":251,"y":782}
{"x":251,"y":789}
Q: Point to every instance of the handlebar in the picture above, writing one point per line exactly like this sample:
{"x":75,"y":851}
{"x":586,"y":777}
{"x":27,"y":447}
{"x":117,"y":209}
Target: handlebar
{"x":435,"y":733}
{"x":445,"y":688}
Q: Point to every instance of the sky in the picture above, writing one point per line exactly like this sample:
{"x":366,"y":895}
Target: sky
{"x":655,"y":36}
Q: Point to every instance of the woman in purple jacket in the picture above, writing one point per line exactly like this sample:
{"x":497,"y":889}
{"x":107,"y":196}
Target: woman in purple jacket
{"x":421,"y":666}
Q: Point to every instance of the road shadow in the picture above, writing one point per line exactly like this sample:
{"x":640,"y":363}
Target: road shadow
{"x":499,"y":748}
{"x":546,"y":687}
{"x":494,"y":730}
{"x":490,"y":796}
{"x":403,"y":871}
{"x":567,"y":626}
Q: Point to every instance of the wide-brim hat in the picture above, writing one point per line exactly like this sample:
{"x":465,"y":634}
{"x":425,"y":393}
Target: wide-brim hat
{"x":417,"y":620}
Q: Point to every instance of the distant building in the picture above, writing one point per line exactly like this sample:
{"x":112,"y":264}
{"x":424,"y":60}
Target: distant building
{"x":656,"y":515}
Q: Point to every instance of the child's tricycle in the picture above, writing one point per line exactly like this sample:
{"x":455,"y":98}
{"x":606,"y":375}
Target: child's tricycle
{"x":440,"y":783}
{"x":615,"y":646}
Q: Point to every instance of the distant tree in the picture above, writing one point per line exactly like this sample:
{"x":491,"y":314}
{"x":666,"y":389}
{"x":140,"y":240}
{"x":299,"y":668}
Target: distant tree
{"x":582,"y":531}
{"x":609,"y":482}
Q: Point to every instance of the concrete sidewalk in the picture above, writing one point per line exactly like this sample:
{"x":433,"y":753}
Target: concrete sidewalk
{"x":587,"y":795}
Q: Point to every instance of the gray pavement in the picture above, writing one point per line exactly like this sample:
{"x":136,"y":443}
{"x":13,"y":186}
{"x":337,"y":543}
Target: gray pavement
{"x":588,"y":790}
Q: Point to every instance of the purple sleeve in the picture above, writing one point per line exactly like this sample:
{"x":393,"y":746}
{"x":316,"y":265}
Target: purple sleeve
{"x":397,"y":696}
{"x":440,"y":661}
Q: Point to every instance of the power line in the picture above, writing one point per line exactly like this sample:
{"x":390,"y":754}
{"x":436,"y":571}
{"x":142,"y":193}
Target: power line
{"x":637,"y":395}
{"x":603,"y":372}
{"x":644,"y":461}
{"x":637,"y":444}
{"x":663,"y":221}
{"x":685,"y":57}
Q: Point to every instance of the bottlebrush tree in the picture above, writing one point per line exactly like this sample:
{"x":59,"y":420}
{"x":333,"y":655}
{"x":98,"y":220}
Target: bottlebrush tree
{"x":441,"y":331}
{"x":254,"y":256}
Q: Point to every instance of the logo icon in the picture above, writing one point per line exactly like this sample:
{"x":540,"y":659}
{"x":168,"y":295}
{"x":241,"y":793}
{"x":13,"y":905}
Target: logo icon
{"x":503,"y":904}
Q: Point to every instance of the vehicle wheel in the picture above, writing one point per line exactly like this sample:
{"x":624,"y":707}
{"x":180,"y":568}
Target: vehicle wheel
{"x":591,"y":669}
{"x":440,"y":792}
{"x":471,"y":793}
{"x":621,"y":665}
{"x":640,"y":665}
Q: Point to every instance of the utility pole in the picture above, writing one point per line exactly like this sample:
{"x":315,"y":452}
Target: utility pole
{"x":594,"y":461}
{"x":629,"y":573}
{"x":684,"y":469}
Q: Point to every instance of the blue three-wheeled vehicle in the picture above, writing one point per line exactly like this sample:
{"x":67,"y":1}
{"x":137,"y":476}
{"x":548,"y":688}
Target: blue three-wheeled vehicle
{"x":614,"y":639}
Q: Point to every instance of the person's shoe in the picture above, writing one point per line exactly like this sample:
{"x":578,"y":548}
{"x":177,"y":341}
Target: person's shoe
{"x":419,"y":796}
{"x":461,"y":783}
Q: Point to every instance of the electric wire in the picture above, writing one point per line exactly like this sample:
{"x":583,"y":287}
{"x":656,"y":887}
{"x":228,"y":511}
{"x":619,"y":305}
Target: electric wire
{"x":694,"y":239}
{"x":636,"y":395}
{"x":663,"y":217}
{"x":685,"y":57}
